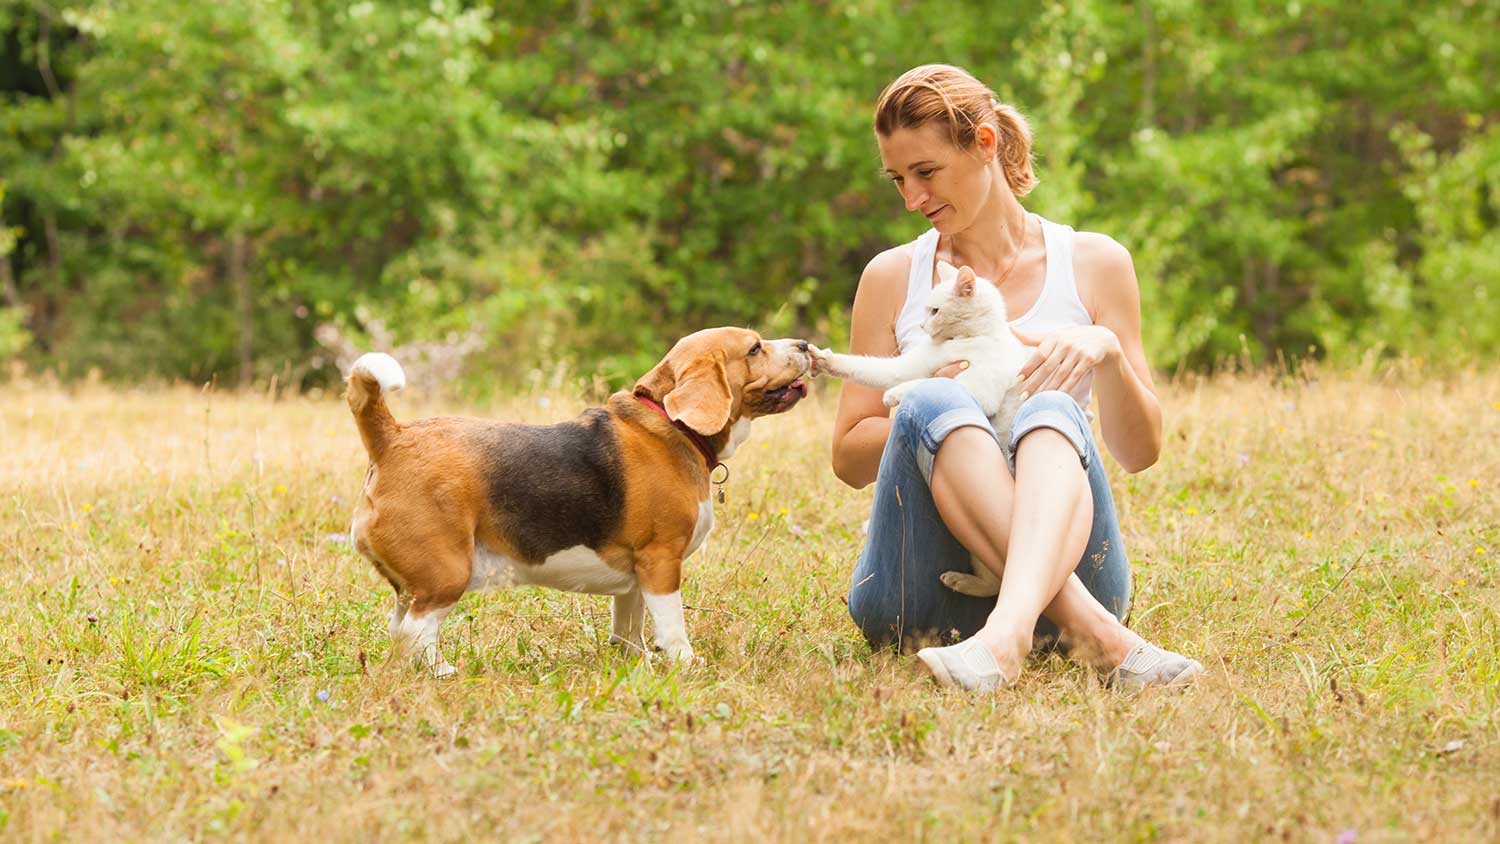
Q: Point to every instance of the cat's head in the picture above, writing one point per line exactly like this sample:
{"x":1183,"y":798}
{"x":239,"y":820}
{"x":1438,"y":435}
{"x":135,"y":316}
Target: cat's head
{"x":963,"y":305}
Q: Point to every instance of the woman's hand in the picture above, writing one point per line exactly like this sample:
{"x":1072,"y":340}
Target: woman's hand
{"x":1064,"y":357}
{"x":951,"y":370}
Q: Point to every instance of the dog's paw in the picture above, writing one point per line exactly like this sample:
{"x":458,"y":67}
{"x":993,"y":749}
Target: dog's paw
{"x":443,"y":669}
{"x":969,"y":584}
{"x":680,"y":654}
{"x":633,"y":647}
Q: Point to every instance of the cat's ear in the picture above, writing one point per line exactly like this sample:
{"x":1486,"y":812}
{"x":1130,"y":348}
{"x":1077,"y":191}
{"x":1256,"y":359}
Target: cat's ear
{"x":966,"y":279}
{"x":946,"y":272}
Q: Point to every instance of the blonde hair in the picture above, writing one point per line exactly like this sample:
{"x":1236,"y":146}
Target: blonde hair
{"x":951,"y":96}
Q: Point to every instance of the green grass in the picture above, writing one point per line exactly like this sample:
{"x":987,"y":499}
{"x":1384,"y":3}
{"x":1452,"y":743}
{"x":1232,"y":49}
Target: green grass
{"x":188,"y":653}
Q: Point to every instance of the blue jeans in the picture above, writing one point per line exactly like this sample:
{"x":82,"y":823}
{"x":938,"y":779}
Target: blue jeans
{"x":895,"y":596}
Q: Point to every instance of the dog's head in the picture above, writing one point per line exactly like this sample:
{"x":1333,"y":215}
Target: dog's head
{"x":718,"y":376}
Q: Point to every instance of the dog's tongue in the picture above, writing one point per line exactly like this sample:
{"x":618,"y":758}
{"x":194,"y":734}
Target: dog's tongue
{"x":800,"y":386}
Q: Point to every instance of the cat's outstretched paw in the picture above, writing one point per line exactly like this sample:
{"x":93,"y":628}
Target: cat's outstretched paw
{"x":892,"y":397}
{"x":820,"y":361}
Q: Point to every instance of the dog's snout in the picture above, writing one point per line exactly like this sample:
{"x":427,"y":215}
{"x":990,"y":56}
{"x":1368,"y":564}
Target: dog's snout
{"x":801,"y":345}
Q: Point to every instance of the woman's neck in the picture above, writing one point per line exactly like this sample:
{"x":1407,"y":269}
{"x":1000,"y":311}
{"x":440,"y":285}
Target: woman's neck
{"x":998,"y":232}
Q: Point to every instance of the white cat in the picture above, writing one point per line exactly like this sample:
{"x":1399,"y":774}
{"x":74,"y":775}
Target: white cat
{"x":966,"y":320}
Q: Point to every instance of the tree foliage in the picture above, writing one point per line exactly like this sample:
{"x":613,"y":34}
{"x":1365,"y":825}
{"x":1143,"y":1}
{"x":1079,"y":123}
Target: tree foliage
{"x":192,"y":188}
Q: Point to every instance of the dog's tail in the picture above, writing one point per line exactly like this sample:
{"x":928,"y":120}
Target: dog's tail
{"x":373,"y":375}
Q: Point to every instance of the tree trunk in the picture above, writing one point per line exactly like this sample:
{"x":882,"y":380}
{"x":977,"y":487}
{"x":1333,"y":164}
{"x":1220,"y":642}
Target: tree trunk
{"x":1148,"y":65}
{"x":239,"y":281}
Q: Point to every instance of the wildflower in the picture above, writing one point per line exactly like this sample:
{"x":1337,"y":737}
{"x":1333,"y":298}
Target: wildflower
{"x":1473,"y":483}
{"x":336,"y":538}
{"x":1459,"y":582}
{"x":1479,"y":550}
{"x":1345,"y":837}
{"x":782,"y":512}
{"x":93,"y":619}
{"x":1307,"y":534}
{"x":798,"y":530}
{"x":87,"y":507}
{"x":280,"y":488}
{"x":113,"y":581}
{"x":322,"y":695}
{"x":1192,"y":511}
{"x":1244,"y":458}
{"x":753,"y":516}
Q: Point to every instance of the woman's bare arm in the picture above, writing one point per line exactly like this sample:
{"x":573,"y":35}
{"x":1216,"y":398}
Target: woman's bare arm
{"x":863,"y":422}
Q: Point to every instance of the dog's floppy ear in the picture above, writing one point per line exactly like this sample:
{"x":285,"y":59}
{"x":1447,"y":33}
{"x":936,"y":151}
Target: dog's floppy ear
{"x":701,"y":397}
{"x":698,"y":396}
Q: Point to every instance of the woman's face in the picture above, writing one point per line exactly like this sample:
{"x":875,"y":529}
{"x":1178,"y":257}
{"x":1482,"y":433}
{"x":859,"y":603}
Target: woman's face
{"x":945,"y":184}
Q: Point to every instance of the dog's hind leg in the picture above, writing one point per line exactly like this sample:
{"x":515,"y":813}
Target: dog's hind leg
{"x":428,"y":599}
{"x":398,"y":613}
{"x":419,"y":629}
{"x":628,"y":625}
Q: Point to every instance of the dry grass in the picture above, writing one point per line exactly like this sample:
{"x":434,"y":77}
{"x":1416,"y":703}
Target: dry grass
{"x":189,"y":654}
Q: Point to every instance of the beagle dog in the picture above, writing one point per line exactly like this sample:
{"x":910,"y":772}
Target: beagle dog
{"x":610,"y":503}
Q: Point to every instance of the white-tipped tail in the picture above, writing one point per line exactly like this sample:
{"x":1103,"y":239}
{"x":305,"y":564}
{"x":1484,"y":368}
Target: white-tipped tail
{"x":383,"y":368}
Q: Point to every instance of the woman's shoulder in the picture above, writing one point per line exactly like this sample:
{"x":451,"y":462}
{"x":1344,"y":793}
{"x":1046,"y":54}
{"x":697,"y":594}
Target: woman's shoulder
{"x":1103,"y":268}
{"x":885,"y":277}
{"x":881,"y":296}
{"x":891,"y":267}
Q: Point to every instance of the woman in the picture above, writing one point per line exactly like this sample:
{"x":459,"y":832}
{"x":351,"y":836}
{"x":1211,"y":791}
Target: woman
{"x":1031,"y":503}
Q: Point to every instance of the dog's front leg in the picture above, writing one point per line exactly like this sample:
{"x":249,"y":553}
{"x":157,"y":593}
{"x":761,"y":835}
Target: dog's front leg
{"x":628,"y":625}
{"x":668,"y":626}
{"x":659,"y":568}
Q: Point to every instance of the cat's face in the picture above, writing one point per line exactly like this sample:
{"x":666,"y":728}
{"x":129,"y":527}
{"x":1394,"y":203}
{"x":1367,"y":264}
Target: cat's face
{"x":962,"y":305}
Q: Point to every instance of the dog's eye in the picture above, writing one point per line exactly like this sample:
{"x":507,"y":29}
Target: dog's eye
{"x":932,"y":311}
{"x":754,"y":350}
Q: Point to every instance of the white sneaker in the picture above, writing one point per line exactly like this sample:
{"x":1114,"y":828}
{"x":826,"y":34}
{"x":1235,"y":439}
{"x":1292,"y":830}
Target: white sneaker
{"x":967,"y":665}
{"x":1148,"y":665}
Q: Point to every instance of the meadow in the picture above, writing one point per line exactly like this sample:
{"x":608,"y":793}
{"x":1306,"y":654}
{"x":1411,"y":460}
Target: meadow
{"x":190,"y":649}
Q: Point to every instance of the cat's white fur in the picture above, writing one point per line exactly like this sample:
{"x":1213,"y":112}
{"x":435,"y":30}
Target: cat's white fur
{"x":966,"y":320}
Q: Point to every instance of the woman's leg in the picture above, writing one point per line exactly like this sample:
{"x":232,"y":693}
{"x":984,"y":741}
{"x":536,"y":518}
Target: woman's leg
{"x":945,"y":489}
{"x":1063,"y":474}
{"x":896,"y":596}
{"x":1061,"y":525}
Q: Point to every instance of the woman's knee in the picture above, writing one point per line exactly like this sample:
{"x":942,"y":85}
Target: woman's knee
{"x":926,"y":402}
{"x":932,"y":397}
{"x":873,"y":615}
{"x":1058,"y":411}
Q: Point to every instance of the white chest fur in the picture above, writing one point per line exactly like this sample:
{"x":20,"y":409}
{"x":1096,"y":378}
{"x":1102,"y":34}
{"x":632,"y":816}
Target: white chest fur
{"x":704,"y":525}
{"x":576,"y":569}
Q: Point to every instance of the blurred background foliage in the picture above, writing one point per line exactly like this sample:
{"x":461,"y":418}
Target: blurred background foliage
{"x":254,"y":188}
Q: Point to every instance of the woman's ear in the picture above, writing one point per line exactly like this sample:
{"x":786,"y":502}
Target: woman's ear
{"x":987,"y":140}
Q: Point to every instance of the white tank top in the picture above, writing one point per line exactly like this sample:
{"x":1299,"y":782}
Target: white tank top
{"x":1058,"y":306}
